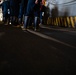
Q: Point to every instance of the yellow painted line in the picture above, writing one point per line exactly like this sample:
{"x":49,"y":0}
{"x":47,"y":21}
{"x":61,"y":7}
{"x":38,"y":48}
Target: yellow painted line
{"x":56,"y":21}
{"x":72,"y":22}
{"x":68,"y":21}
{"x":51,"y":20}
{"x":75,"y":21}
{"x":65,"y":22}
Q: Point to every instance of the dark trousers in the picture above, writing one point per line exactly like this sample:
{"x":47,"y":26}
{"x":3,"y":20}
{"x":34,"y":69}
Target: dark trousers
{"x":5,"y":7}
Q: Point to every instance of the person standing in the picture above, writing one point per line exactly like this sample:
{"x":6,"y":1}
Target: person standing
{"x":42,"y":10}
{"x":33,"y":8}
{"x":14,"y":11}
{"x":5,"y":8}
{"x":22,"y":10}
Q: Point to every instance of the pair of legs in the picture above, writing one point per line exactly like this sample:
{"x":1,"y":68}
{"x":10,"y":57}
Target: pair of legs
{"x":29,"y":20}
{"x":29,"y":12}
{"x":14,"y":11}
{"x":5,"y":7}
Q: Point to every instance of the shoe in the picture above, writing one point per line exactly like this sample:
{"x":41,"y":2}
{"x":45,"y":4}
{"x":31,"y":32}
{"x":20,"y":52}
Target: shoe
{"x":35,"y":29}
{"x":6,"y":24}
{"x":22,"y":27}
{"x":39,"y":24}
{"x":17,"y":26}
{"x":10,"y":23}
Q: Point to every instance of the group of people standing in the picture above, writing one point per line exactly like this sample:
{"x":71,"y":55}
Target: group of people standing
{"x":27,"y":12}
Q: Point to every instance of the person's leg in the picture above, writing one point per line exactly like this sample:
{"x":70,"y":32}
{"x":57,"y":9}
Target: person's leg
{"x":5,"y":12}
{"x":21,"y":11}
{"x":30,"y":22}
{"x":26,"y":15}
{"x":16,"y":12}
{"x":40,"y":17}
{"x":11,"y":14}
{"x":25,"y":21}
{"x":35,"y":23}
{"x":36,"y":20}
{"x":29,"y":12}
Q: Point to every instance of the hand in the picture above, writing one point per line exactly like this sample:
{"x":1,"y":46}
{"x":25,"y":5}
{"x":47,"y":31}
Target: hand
{"x":36,"y":2}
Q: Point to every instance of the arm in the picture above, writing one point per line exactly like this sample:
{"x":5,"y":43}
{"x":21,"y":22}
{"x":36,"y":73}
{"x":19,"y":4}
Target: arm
{"x":36,"y":1}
